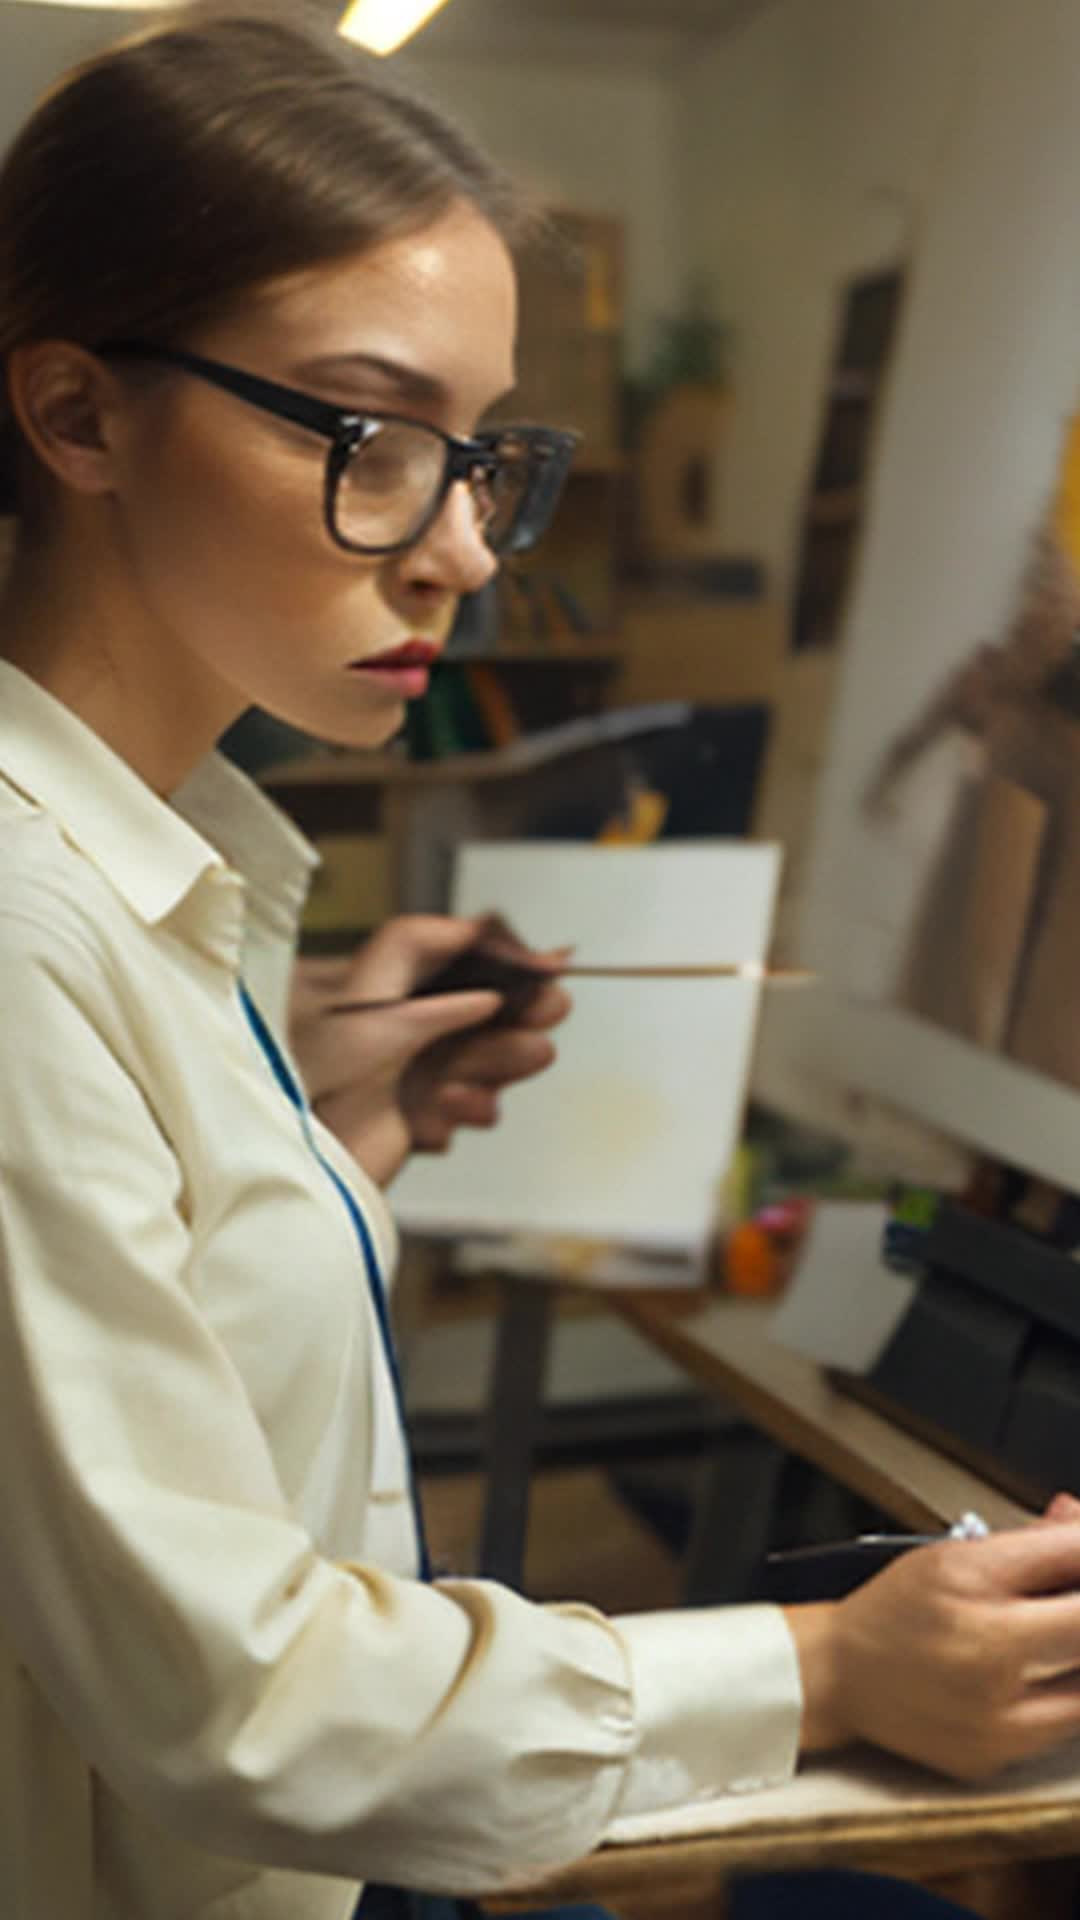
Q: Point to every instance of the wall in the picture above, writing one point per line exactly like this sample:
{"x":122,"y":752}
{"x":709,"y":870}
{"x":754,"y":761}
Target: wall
{"x":597,"y":137}
{"x":601,"y":140}
{"x":987,"y":377}
{"x":783,"y":158}
{"x":38,"y":42}
{"x":811,"y":143}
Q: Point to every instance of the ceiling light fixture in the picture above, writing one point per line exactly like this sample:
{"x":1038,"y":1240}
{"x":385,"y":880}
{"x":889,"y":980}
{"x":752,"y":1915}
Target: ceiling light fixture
{"x":99,"y":6}
{"x":380,"y":25}
{"x":384,"y":25}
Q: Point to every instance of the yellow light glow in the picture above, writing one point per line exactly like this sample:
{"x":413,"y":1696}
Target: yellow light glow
{"x":384,"y":25}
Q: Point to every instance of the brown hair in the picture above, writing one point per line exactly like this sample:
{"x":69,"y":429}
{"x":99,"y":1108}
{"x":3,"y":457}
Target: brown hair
{"x":200,"y":158}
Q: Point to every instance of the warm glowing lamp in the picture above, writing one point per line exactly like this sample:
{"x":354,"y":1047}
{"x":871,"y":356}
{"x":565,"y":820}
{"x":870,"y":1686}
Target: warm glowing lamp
{"x":383,"y":25}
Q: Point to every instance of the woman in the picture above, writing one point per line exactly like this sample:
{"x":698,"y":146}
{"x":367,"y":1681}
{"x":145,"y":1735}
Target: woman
{"x":253,"y":306}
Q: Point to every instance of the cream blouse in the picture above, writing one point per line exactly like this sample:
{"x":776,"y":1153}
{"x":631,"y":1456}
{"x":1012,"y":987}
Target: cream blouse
{"x":224,"y":1694}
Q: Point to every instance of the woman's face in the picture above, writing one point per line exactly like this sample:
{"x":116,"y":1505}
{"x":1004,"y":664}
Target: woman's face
{"x":221,"y":506}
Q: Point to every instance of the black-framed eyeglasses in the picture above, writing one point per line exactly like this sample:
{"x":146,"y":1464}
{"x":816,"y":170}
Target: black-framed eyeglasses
{"x":387,"y":476}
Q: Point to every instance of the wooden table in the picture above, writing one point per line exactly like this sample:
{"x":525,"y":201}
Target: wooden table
{"x":724,"y":1344}
{"x":1016,"y":1864}
{"x":1011,"y":1863}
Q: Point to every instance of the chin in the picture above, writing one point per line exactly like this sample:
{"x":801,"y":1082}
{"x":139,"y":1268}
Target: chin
{"x":371,"y":730}
{"x":342,"y":723}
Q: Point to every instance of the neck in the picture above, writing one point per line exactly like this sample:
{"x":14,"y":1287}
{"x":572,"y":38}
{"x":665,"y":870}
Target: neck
{"x":71,"y":620}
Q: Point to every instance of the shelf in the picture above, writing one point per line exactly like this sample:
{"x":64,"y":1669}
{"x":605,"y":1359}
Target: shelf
{"x":355,"y":766}
{"x":837,"y":494}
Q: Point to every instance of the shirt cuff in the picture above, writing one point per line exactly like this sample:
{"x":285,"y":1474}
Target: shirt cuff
{"x":718,"y":1704}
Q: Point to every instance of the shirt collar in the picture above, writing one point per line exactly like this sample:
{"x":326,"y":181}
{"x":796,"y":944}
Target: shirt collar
{"x":152,"y":851}
{"x":256,"y":839}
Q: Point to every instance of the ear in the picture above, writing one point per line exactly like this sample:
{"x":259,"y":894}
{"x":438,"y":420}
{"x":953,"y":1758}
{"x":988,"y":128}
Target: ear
{"x":66,"y":403}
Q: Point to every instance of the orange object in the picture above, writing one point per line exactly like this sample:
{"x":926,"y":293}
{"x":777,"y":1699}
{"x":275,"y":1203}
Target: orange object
{"x":640,"y":824}
{"x":751,"y":1264}
{"x":494,"y":702}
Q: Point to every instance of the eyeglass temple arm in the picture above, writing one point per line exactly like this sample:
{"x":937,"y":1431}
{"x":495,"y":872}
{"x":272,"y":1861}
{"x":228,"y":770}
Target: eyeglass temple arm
{"x":303,"y":409}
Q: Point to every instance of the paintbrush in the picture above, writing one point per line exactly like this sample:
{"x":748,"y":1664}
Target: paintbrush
{"x":499,"y":961}
{"x":729,"y":970}
{"x":519,"y":981}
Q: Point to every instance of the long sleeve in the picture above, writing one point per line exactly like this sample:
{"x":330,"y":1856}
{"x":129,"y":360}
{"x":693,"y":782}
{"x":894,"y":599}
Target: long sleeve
{"x":222,"y":1690}
{"x":262,"y":1700}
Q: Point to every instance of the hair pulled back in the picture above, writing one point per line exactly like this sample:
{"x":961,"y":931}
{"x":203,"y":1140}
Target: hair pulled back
{"x":163,"y":178}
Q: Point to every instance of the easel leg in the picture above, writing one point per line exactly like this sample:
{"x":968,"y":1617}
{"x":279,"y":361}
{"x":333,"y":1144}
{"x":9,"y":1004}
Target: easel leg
{"x":515,"y":1406}
{"x":740,"y":1487}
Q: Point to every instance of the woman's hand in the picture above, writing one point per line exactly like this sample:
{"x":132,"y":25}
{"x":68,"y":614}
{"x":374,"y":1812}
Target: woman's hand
{"x":391,"y":1079}
{"x":964,"y":1656}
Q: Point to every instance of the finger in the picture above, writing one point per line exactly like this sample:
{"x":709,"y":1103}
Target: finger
{"x":1029,"y":1731}
{"x":320,"y":970}
{"x":423,"y":1022}
{"x":406,"y":951}
{"x":468,"y":1106}
{"x":1029,"y":1560}
{"x":432,"y":1134}
{"x":550,"y":959}
{"x":546,"y":1009}
{"x":501,"y":1058}
{"x":1048,"y":1716}
{"x":381,"y":1037}
{"x":497,"y":930}
{"x":1045,"y":1634}
{"x":1063,"y":1506}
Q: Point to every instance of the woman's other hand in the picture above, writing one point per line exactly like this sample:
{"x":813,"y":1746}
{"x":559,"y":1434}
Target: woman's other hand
{"x":964,"y":1656}
{"x":392,"y":1079}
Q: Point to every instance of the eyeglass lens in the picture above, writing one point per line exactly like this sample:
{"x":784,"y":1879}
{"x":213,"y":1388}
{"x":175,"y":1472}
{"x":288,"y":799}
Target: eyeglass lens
{"x":395,"y":477}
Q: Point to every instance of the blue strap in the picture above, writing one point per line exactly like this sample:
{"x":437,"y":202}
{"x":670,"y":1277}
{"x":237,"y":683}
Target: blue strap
{"x":287,"y":1082}
{"x":382,"y":1902}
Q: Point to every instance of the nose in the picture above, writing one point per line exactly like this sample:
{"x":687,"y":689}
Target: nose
{"x":453,"y":553}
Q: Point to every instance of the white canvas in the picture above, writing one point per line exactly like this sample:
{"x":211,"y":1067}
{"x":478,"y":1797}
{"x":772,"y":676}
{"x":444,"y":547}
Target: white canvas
{"x":627,"y":1136}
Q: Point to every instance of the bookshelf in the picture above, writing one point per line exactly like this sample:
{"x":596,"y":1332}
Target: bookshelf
{"x":542,"y":643}
{"x":388,"y":827}
{"x":837,"y":497}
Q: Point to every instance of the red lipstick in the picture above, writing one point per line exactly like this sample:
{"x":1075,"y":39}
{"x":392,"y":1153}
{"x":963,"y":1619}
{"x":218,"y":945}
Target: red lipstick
{"x":404,"y":670}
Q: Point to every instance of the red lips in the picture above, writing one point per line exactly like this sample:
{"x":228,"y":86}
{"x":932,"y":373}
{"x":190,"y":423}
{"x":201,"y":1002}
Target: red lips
{"x":414,"y":653}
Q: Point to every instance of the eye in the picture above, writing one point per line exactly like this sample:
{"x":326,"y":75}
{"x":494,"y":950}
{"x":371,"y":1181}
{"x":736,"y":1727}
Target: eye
{"x":379,"y":464}
{"x":388,"y":454}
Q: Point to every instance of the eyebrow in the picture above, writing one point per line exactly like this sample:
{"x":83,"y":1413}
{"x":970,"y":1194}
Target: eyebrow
{"x":424,"y":389}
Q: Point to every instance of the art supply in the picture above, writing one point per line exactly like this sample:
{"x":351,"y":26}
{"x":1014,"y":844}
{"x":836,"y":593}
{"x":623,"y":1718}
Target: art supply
{"x":499,"y":961}
{"x":512,"y":984}
{"x":733,"y":970}
{"x":829,"y":1572}
{"x":625,"y":1140}
{"x":844,"y":1303}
